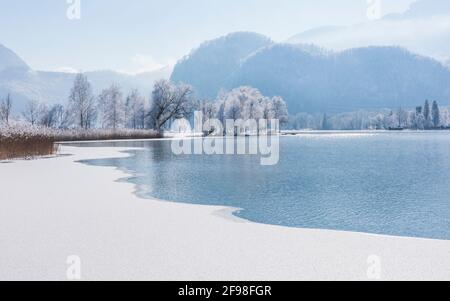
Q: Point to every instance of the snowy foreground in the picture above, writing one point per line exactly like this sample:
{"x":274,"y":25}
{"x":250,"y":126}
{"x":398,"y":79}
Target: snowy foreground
{"x":54,"y":208}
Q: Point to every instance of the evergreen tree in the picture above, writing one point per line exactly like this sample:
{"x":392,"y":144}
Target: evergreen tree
{"x":419,"y":110}
{"x":427,"y":114}
{"x":436,"y":114}
{"x":325,"y":123}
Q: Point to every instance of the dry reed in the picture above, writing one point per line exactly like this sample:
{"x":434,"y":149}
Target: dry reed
{"x":30,"y":142}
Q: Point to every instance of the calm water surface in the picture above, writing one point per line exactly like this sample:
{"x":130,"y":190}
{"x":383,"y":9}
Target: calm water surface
{"x":386,"y":183}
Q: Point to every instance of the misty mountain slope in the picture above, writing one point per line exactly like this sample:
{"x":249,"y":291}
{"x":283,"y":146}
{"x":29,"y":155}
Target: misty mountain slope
{"x":212,"y":64}
{"x":280,"y":69}
{"x":312,"y":79}
{"x":373,"y":77}
{"x":423,"y":29}
{"x":25,"y":84}
{"x":423,"y":8}
{"x":10,"y":60}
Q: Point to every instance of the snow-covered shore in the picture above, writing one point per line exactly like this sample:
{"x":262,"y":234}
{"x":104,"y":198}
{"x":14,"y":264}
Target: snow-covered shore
{"x":53,"y":208}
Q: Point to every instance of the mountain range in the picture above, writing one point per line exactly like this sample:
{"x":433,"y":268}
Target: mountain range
{"x":327,"y":69}
{"x":25,"y":84}
{"x":313,"y":79}
{"x":214,"y":62}
{"x":423,"y":29}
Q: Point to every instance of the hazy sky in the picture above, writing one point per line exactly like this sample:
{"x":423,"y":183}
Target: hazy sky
{"x":138,"y":35}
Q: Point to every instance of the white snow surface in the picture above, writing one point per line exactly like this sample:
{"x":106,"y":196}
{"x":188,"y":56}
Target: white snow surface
{"x":53,"y":208}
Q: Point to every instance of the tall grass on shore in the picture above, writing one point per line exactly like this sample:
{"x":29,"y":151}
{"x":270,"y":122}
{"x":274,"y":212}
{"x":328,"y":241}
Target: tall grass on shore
{"x":29,"y":142}
{"x":25,"y":143}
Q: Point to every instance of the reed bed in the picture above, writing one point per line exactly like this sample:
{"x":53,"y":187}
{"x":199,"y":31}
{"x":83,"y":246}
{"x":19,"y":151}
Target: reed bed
{"x":26,"y":143}
{"x":30,"y":142}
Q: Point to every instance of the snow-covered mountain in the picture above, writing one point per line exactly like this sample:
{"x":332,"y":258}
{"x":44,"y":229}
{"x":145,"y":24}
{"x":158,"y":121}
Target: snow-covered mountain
{"x":10,"y":60}
{"x":25,"y":84}
{"x":424,"y":29}
{"x":312,"y":79}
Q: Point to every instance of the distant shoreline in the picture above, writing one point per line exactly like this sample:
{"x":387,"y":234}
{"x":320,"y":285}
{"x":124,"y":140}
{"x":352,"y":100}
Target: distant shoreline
{"x":298,"y":132}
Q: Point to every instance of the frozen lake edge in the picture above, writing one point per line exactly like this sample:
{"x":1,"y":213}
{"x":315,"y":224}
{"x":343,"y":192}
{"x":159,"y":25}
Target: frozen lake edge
{"x":73,"y":208}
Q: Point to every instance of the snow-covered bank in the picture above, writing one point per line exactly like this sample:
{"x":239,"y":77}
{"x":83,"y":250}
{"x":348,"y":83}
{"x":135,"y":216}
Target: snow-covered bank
{"x":54,"y":208}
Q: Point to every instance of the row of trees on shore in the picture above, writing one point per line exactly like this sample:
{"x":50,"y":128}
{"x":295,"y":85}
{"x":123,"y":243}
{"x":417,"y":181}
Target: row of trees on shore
{"x":429,"y":116}
{"x":111,"y":109}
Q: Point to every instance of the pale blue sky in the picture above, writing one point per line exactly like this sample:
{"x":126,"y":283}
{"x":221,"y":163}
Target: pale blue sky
{"x":137,"y":35}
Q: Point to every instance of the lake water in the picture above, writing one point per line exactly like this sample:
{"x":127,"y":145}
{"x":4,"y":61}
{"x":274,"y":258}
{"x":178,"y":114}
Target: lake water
{"x":384,"y":183}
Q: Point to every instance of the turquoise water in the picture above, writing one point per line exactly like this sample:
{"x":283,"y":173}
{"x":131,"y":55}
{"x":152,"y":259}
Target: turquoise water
{"x":386,"y":183}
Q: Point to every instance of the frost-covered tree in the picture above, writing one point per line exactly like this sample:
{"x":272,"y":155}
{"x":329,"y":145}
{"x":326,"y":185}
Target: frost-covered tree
{"x":111,"y":108}
{"x":135,"y":110}
{"x":248,"y":103}
{"x":253,"y":107}
{"x":235,"y":106}
{"x":279,"y":109}
{"x":417,"y":120}
{"x":53,"y":117}
{"x":232,"y":108}
{"x":444,"y":117}
{"x":209,"y":110}
{"x":357,"y":121}
{"x":242,"y":103}
{"x":44,"y":115}
{"x":267,"y":110}
{"x":301,"y":121}
{"x":60,"y":116}
{"x":82,"y":103}
{"x":169,"y":101}
{"x":378,"y":122}
{"x":436,"y":114}
{"x":5,"y":109}
{"x":31,"y":113}
{"x":420,"y":122}
{"x":402,"y":117}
